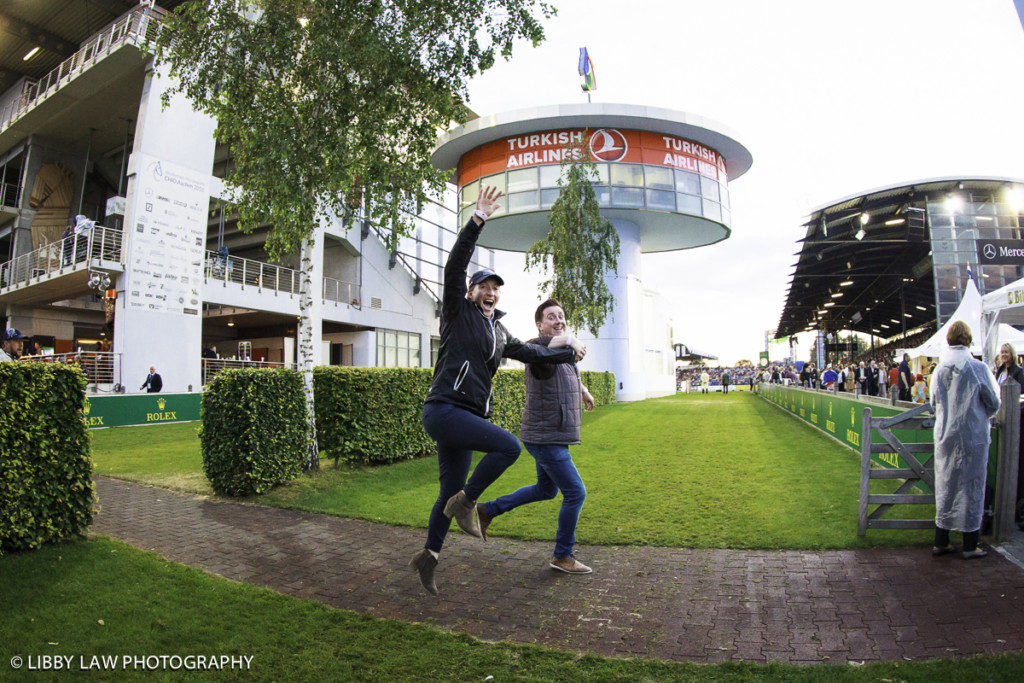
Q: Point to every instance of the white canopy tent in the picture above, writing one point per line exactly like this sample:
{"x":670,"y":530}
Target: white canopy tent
{"x":969,"y":311}
{"x":1001,"y":309}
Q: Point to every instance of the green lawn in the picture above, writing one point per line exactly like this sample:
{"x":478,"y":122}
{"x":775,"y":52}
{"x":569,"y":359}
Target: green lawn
{"x":103,"y":597}
{"x":700,"y":471}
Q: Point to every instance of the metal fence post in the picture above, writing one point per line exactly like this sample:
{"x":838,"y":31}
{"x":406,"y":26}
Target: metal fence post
{"x":894,"y":393}
{"x":1006,"y":469}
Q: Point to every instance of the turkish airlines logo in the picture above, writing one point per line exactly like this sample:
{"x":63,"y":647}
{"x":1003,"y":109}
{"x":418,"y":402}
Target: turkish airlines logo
{"x":989,"y":250}
{"x":608,"y":144}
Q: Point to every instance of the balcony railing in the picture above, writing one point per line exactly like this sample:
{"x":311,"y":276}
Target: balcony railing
{"x":250,"y":273}
{"x":97,"y":244}
{"x":211,"y":366}
{"x":133,"y":28}
{"x":99,"y":367}
{"x":343,"y":292}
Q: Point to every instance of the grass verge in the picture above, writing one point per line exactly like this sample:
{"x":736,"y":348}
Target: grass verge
{"x":102,"y":597}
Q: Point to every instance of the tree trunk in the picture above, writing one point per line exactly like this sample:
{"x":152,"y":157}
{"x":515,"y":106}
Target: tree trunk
{"x":306,"y":294}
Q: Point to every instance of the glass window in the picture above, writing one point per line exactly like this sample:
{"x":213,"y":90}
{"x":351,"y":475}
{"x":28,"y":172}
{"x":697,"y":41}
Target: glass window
{"x":724,"y":191}
{"x":627,"y":196}
{"x":709,"y":188}
{"x":470,"y":193}
{"x":548,"y":197}
{"x":497,"y":180}
{"x":712,"y":210}
{"x":435,"y":350}
{"x":398,"y":349}
{"x":549,"y":175}
{"x":604,"y":195}
{"x":522,"y":201}
{"x":687,"y":203}
{"x":602,"y":173}
{"x":464,"y":217}
{"x":687,"y":182}
{"x":523,"y":179}
{"x":661,"y":199}
{"x":726,"y":216}
{"x":658,"y":178}
{"x":631,"y":175}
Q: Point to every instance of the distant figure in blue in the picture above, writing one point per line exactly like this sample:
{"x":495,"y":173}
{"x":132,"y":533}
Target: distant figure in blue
{"x":829,"y":377}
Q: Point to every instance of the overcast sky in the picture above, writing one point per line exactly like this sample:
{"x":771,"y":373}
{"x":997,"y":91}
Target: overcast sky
{"x":830,"y":98}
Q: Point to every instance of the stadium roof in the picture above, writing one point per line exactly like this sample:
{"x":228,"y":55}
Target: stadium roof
{"x":865,"y":262}
{"x":56,"y":27}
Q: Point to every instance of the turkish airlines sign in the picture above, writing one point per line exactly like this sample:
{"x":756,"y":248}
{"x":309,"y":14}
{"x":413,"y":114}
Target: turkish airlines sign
{"x":604,"y":145}
{"x":1001,"y":252}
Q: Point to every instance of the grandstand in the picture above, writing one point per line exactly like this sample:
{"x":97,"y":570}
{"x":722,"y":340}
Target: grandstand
{"x":163,"y":269}
{"x":893,"y":262}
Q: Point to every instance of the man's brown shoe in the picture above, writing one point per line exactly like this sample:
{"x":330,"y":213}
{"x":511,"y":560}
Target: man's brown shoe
{"x":569,"y":565}
{"x":484,"y":519}
{"x":463,"y":510}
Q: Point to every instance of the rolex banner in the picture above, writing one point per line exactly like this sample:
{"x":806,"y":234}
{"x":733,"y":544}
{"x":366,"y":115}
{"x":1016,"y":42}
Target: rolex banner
{"x":140,"y":409}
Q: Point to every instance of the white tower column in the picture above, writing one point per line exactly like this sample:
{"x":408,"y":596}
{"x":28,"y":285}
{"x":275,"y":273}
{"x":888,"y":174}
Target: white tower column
{"x":615,"y":349}
{"x":158,"y":318}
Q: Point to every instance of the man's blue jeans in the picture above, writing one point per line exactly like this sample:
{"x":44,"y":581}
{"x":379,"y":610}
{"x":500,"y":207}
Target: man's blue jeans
{"x":555,"y":472}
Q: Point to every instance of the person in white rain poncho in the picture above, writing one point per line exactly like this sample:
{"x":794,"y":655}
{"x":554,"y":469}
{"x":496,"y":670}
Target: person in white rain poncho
{"x":965,"y":396}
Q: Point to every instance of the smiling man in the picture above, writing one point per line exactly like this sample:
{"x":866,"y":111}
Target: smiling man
{"x":555,"y":396}
{"x":473,"y":342}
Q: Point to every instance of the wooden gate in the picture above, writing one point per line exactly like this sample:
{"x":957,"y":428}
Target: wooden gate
{"x":916,"y":472}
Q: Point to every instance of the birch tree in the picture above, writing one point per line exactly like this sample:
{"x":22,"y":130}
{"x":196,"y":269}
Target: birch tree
{"x":333,"y":104}
{"x":581,"y":248}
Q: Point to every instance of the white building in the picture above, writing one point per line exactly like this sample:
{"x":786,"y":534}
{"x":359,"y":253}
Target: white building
{"x":83,"y":132}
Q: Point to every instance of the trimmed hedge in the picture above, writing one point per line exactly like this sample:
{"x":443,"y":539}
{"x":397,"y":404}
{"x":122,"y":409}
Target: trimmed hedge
{"x":46,"y":489}
{"x":371,"y":416}
{"x":601,"y":386}
{"x":254,"y":433}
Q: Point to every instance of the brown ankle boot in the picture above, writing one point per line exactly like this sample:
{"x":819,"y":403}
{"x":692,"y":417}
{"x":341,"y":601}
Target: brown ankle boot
{"x":463,"y":510}
{"x":424,"y":564}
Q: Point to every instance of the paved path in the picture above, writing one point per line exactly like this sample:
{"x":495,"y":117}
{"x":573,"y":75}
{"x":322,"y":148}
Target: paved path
{"x":700,"y":605}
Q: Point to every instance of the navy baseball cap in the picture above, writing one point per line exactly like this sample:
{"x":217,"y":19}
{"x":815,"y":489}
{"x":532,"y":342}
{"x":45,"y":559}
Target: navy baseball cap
{"x":13,"y":335}
{"x":481,"y":275}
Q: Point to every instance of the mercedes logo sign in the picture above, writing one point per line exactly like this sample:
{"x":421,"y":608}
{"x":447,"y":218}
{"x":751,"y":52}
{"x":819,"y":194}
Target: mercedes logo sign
{"x":989,"y":250}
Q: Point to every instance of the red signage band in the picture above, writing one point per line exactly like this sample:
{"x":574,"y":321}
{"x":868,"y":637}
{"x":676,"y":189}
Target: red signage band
{"x":603,"y":145}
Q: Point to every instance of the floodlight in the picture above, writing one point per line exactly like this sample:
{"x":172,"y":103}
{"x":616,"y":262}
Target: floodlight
{"x":896,"y":221}
{"x":860,"y":234}
{"x":837,"y":295}
{"x":846,"y":283}
{"x":1015,"y":198}
{"x":30,"y":54}
{"x":954,"y":203}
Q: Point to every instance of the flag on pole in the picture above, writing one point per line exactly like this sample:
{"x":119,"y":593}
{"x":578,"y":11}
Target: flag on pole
{"x":586,"y":69}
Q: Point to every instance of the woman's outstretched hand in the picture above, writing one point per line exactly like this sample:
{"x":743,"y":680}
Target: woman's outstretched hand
{"x":487,"y":202}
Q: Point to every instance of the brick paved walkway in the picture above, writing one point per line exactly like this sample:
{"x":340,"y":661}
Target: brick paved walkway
{"x":701,"y":605}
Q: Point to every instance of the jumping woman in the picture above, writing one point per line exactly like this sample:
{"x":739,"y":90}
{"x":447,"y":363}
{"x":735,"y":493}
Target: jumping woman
{"x":473,"y":342}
